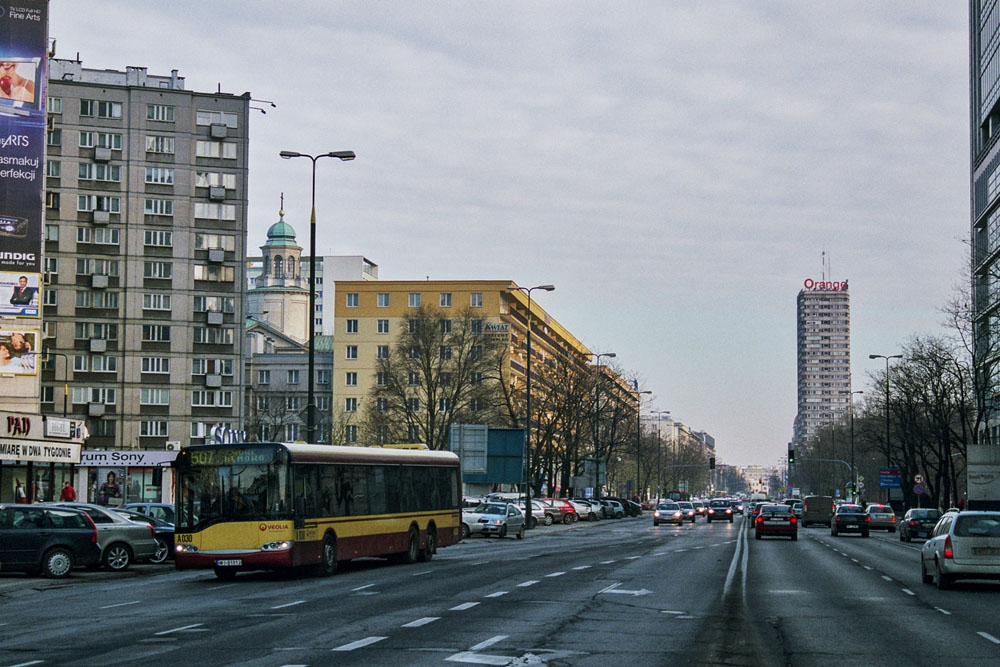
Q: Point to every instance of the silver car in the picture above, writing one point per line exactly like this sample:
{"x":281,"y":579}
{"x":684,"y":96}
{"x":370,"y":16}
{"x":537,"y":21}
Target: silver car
{"x":502,"y":518}
{"x":963,"y":545}
{"x":121,"y":540}
{"x":881,"y":517}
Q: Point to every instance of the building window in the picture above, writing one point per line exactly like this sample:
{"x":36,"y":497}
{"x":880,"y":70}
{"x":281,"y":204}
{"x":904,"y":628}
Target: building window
{"x":160,"y":175}
{"x":352,"y":326}
{"x":49,"y":297}
{"x":351,"y":379}
{"x":154,"y":396}
{"x":414,"y":299}
{"x":476,"y":299}
{"x":476,"y":352}
{"x":159,"y":144}
{"x":215,"y":211}
{"x":158,"y":206}
{"x":351,"y":433}
{"x":477,"y":378}
{"x":413,"y":352}
{"x":160,"y":112}
{"x":445,"y":352}
{"x":263,"y":377}
{"x":350,"y":405}
{"x":323,"y":377}
{"x":444,"y":404}
{"x":52,"y":200}
{"x":158,"y":270}
{"x":413,"y":433}
{"x":225,"y":150}
{"x":292,"y":403}
{"x":214,"y":304}
{"x":352,"y":300}
{"x":383,"y":300}
{"x":215,"y":273}
{"x":444,"y":379}
{"x":292,"y":377}
{"x":380,"y":379}
{"x":352,"y":352}
{"x":476,"y":326}
{"x":98,"y":203}
{"x":214,"y":242}
{"x":413,"y":379}
{"x":54,"y":137}
{"x":107,"y":236}
{"x":156,"y":429}
{"x":213,"y":336}
{"x":155,"y":333}
{"x":383,"y":326}
{"x":101,"y":109}
{"x":446,"y":299}
{"x":156,"y":302}
{"x":211,"y":399}
{"x":159,"y":365}
{"x":53,"y":168}
{"x":203,"y":117}
{"x":54,"y":105}
{"x":445,"y":327}
{"x":413,"y":326}
{"x":413,"y":404}
{"x":382,"y":352}
{"x":208,"y":179}
{"x":382,"y":404}
{"x":159,"y":239}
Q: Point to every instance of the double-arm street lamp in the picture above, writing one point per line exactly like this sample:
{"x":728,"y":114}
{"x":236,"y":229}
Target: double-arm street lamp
{"x":597,"y":410}
{"x":527,"y":432}
{"x":888,"y":461}
{"x":638,"y":437}
{"x":343,"y":156}
{"x":854,"y":473}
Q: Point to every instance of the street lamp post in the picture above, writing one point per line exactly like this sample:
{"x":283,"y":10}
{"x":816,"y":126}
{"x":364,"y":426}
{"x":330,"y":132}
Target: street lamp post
{"x":638,"y":437}
{"x":659,"y":451}
{"x":343,"y":156}
{"x":854,"y":472}
{"x":888,"y":462}
{"x":527,"y":433}
{"x":597,"y":411}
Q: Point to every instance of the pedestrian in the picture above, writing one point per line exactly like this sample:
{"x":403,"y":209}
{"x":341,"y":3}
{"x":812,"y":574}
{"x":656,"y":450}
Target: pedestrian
{"x":68,"y":494}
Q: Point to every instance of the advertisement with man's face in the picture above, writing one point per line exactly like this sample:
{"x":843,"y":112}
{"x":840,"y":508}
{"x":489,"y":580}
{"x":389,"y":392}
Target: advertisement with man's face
{"x":23,"y":65}
{"x":19,"y":294}
{"x":17,"y":352}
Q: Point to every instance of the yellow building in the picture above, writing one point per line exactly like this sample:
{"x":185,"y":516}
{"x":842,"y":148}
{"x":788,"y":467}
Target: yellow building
{"x":369,"y":317}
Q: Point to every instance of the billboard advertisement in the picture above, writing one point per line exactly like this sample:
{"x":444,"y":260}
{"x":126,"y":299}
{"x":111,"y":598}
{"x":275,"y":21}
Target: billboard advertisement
{"x":19,"y":294}
{"x":17,"y":352}
{"x":23,"y":65}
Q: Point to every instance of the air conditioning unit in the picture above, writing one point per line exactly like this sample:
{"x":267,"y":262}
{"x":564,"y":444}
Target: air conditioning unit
{"x":217,"y":255}
{"x":218,"y":131}
{"x":173,"y":445}
{"x":216,"y":192}
{"x":213,"y":381}
{"x":95,"y":409}
{"x":213,"y":317}
{"x":98,"y":281}
{"x":98,"y":345}
{"x":102,"y":217}
{"x":102,"y":154}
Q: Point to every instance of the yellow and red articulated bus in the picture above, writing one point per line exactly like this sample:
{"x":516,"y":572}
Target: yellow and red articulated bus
{"x":264,"y":506}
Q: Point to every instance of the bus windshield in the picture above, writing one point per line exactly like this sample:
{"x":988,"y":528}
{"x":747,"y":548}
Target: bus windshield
{"x":250,"y":492}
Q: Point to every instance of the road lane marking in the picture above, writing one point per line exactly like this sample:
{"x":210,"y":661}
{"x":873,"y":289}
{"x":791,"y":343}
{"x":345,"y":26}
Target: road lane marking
{"x":25,"y":664}
{"x":679,"y":613}
{"x":181,"y":629}
{"x":215,"y":588}
{"x":555,"y":574}
{"x":417,"y":574}
{"x":288,"y":604}
{"x":658,"y":553}
{"x":582,"y":567}
{"x":854,"y":560}
{"x":633,"y":557}
{"x":464,"y":606}
{"x":120,"y":604}
{"x":497,"y":594}
{"x":988,"y":636}
{"x":609,"y":588}
{"x":867,"y":567}
{"x":479,"y":659}
{"x":886,"y":578}
{"x":358,"y":644}
{"x":361,"y":588}
{"x":421,"y":621}
{"x":525,"y":584}
{"x":908,"y":591}
{"x":489,"y":642}
{"x":943,"y":611}
{"x":608,"y":562}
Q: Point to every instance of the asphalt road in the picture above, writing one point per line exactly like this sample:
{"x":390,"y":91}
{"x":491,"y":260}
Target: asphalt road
{"x":606,"y":593}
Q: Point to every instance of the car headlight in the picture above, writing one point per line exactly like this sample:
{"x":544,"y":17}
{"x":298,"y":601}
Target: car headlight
{"x":186,"y":549}
{"x":283,"y":545}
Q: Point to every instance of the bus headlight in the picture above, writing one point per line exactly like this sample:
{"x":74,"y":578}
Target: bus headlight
{"x":283,"y":545}
{"x":186,"y":549}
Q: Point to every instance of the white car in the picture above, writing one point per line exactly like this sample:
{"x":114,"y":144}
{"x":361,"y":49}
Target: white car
{"x":963,"y":545}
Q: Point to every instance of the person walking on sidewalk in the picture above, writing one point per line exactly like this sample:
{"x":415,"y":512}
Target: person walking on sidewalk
{"x":68,"y":494}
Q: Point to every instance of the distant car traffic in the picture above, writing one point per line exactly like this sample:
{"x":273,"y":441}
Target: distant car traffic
{"x":918,"y":522}
{"x":688,"y":509}
{"x":776,"y":521}
{"x":668,"y":513}
{"x":720,"y":510}
{"x":850,"y":519}
{"x":881,"y":517}
{"x":817,"y":509}
{"x":49,"y":540}
{"x":964,"y":545}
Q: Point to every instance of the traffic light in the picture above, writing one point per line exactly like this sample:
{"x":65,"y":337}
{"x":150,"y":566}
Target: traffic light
{"x":791,"y":455}
{"x":711,"y":463}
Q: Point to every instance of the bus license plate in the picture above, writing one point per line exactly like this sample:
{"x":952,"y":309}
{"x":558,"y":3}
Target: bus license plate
{"x":229,"y":563}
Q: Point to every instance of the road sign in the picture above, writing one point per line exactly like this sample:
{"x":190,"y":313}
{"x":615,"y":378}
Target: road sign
{"x":918,"y":489}
{"x":889,"y":478}
{"x":918,"y":479}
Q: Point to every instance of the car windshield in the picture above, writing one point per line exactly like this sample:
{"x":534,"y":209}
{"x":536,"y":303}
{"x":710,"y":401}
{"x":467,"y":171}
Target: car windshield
{"x":668,"y":506}
{"x":491,"y":508}
{"x":978,"y":526}
{"x":849,"y":508}
{"x":720,"y":503}
{"x":775,"y":509}
{"x":925,"y":514}
{"x":879,"y":509}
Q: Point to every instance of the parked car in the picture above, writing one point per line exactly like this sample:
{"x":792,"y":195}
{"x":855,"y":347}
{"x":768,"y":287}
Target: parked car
{"x":540,"y":512}
{"x":565,"y":508}
{"x":918,"y":522}
{"x":964,"y":545}
{"x":122,"y":541}
{"x":616,"y":509}
{"x":161,"y":511}
{"x":50,"y":540}
{"x":502,"y":518}
{"x":850,"y":519}
{"x":720,"y":510}
{"x":164,"y":533}
{"x":881,"y":517}
{"x":776,"y":520}
{"x":631,"y":508}
{"x":688,"y":510}
{"x":470,"y":520}
{"x":668,"y":513}
{"x":586,"y":510}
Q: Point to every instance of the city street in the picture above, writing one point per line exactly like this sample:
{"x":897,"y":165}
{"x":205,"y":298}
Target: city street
{"x":613,"y":592}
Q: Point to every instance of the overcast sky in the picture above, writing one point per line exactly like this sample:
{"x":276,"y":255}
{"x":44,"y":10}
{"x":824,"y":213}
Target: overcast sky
{"x":676,"y":169}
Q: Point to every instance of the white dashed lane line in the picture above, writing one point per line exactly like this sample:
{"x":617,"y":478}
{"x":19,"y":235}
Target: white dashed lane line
{"x":608,"y":562}
{"x":886,"y":578}
{"x":555,"y":574}
{"x":908,"y":591}
{"x":358,"y":644}
{"x":989,"y":637}
{"x":288,"y":604}
{"x":943,"y":611}
{"x":488,"y":643}
{"x":582,"y":567}
{"x":525,"y":584}
{"x":464,"y":606}
{"x":120,"y":604}
{"x":421,"y":621}
{"x":497,"y":594}
{"x":361,"y":588}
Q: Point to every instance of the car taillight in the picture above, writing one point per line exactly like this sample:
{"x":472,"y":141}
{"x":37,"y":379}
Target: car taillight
{"x":913,"y":524}
{"x":948,"y":551}
{"x":893,"y":519}
{"x":867,"y":519}
{"x":838,"y":519}
{"x":791,"y":519}
{"x":152,"y":532}
{"x":760,"y":519}
{"x":93,"y":538}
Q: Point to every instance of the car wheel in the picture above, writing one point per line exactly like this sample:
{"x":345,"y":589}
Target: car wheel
{"x":465,"y":531}
{"x":924,"y":577}
{"x":162,"y":551}
{"x":942,"y":580}
{"x":892,"y":530}
{"x":57,"y":563}
{"x":567,"y":519}
{"x":866,"y":534}
{"x":619,"y":515}
{"x":757,"y":535}
{"x":327,"y":558}
{"x":548,"y":520}
{"x":534,"y":522}
{"x":117,"y":557}
{"x":520,"y":533}
{"x":503,"y":532}
{"x":795,"y":537}
{"x":901,"y":537}
{"x":833,"y":532}
{"x":430,"y":546}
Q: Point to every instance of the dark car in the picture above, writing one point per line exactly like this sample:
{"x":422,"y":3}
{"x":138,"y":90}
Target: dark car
{"x":776,"y":520}
{"x":631,"y":508}
{"x":122,"y":540}
{"x":720,"y":510}
{"x":918,"y":522}
{"x":850,"y":519}
{"x":46,"y":539}
{"x":165,"y":511}
{"x":164,"y":533}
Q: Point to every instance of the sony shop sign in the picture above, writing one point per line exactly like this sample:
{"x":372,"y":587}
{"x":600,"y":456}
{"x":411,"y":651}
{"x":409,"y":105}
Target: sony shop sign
{"x":831,"y":285}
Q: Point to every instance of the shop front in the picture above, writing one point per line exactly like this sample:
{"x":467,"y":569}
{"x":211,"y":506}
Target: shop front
{"x":38,"y":455}
{"x":114,"y":478}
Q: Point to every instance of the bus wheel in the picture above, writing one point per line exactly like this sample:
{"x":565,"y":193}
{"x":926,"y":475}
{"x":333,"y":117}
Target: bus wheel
{"x":328,"y":557}
{"x":428,"y":552}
